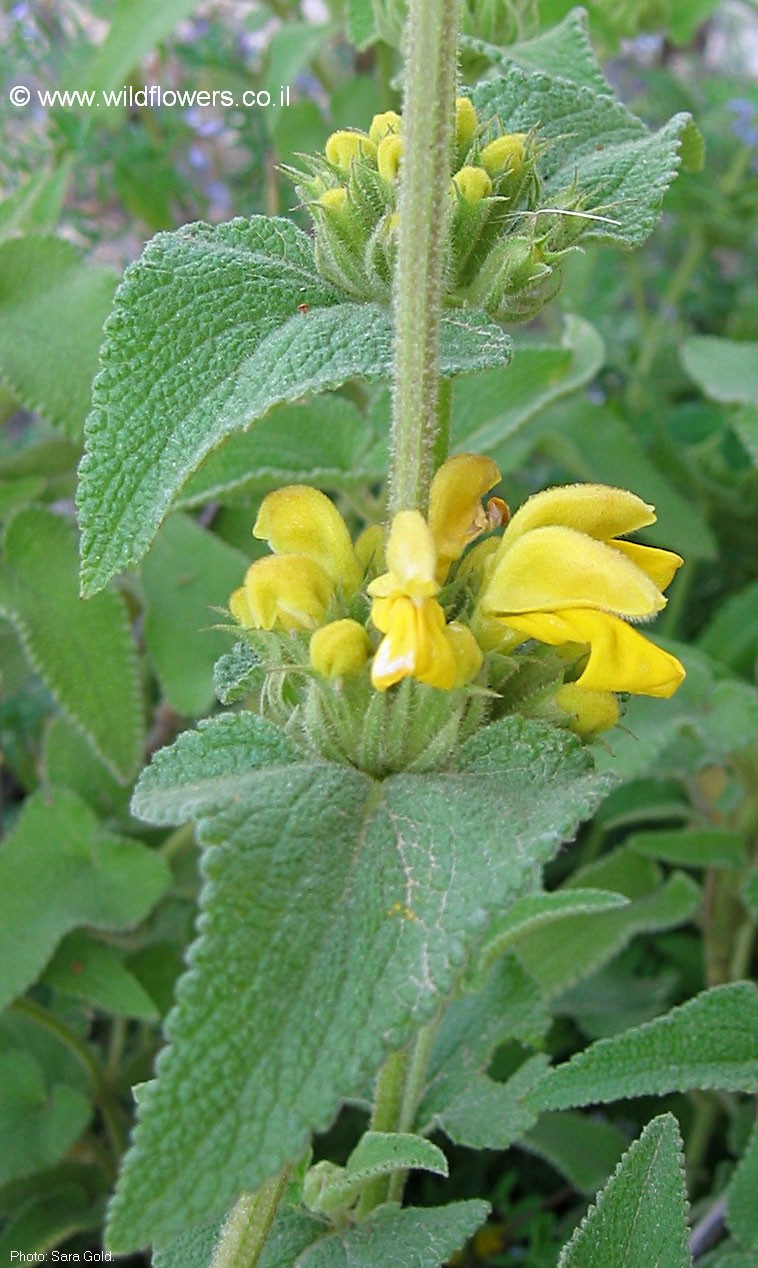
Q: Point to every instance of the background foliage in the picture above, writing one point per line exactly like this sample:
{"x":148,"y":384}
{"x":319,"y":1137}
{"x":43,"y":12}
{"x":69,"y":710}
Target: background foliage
{"x":643,"y":375}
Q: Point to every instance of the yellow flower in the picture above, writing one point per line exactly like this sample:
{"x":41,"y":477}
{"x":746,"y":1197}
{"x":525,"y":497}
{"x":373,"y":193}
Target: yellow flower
{"x":561,"y":576}
{"x":406,"y":611}
{"x":456,"y":514}
{"x":388,"y":156}
{"x":284,"y":592}
{"x":313,"y":558}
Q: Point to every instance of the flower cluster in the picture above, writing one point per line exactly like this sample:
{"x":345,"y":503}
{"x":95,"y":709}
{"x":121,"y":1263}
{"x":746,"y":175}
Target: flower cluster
{"x":500,"y":256}
{"x":450,"y":597}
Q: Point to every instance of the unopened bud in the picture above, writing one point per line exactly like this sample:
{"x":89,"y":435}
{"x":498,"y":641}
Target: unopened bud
{"x":344,"y":148}
{"x":506,"y":154}
{"x":590,"y":712}
{"x":340,"y":649}
{"x":465,"y":120}
{"x":382,"y":125}
{"x":388,"y":157}
{"x":473,"y":184}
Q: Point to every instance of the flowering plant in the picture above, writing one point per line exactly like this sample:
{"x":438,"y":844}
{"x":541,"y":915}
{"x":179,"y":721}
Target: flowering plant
{"x":421,"y":687}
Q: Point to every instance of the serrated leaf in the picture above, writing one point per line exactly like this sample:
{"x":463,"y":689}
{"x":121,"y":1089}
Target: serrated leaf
{"x":742,"y":1213}
{"x":459,"y":1097}
{"x":535,"y":910}
{"x":588,"y":941}
{"x":595,"y":144}
{"x":187,"y":574}
{"x":84,"y":651}
{"x":724,"y":369}
{"x":709,"y":1042}
{"x":52,"y":308}
{"x":328,"y":1188}
{"x":89,"y":970}
{"x":584,"y":1150}
{"x":690,"y":847}
{"x":325,"y":443}
{"x":238,"y":674}
{"x":389,"y":1238}
{"x":342,"y":948}
{"x":640,"y":1218}
{"x":490,"y":409}
{"x":59,"y":870}
{"x":207,"y":334}
{"x":564,"y":50}
{"x":40,"y":1122}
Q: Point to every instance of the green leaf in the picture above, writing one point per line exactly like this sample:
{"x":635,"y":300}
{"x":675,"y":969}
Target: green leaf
{"x":564,"y":50}
{"x":70,"y":762}
{"x":361,"y":23}
{"x":340,"y":909}
{"x":187,"y":574}
{"x":459,"y":1097}
{"x":689,"y":847}
{"x":89,"y":970}
{"x":588,"y":941}
{"x":742,"y":1215}
{"x":207,"y":334}
{"x":137,"y":26}
{"x":731,"y":636}
{"x":709,"y":1042}
{"x":59,"y":870}
{"x":750,"y":893}
{"x":584,"y":1150}
{"x":490,"y":409}
{"x":328,"y":1187}
{"x":47,"y":1220}
{"x":724,"y":369}
{"x":389,"y":1238}
{"x":40,"y":1122}
{"x":640,"y":1218}
{"x":536,"y":910}
{"x":84,"y":651}
{"x":595,"y":145}
{"x":745,"y":423}
{"x":52,"y":308}
{"x":325,"y":443}
{"x":37,"y":203}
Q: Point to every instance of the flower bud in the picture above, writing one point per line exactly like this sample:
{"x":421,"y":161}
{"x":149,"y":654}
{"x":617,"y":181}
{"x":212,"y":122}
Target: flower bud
{"x":506,"y":153}
{"x":590,"y":712}
{"x":465,"y":121}
{"x":382,"y":125}
{"x":344,"y":148}
{"x":334,"y":200}
{"x":467,"y":653}
{"x":388,"y":157}
{"x":284,"y":592}
{"x":340,"y":649}
{"x":473,"y":184}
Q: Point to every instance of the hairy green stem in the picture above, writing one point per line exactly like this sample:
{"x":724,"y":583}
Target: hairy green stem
{"x":399,"y":1089}
{"x":247,"y":1226}
{"x":428,"y":123}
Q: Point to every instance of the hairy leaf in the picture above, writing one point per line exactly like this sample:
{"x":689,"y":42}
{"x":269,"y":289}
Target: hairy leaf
{"x":709,"y":1042}
{"x":59,"y":870}
{"x":640,"y":1218}
{"x":52,"y":308}
{"x":187,"y":574}
{"x":585,"y":1150}
{"x":742,"y":1213}
{"x":84,"y":651}
{"x":40,"y":1121}
{"x":211,"y":328}
{"x":337,"y":913}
